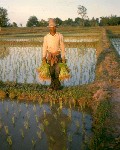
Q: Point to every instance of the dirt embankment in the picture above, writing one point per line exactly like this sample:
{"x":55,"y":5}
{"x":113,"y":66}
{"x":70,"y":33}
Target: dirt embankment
{"x":108,"y":83}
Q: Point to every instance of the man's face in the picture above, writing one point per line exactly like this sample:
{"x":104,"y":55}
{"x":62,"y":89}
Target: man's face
{"x":52,"y":29}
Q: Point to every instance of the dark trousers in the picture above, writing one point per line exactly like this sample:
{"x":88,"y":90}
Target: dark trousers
{"x":54,"y":72}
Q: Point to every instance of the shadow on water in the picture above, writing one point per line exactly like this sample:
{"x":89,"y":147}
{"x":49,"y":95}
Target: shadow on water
{"x":43,"y":126}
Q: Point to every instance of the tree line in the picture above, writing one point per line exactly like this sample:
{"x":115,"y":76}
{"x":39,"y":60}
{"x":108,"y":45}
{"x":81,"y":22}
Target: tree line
{"x":83,"y":20}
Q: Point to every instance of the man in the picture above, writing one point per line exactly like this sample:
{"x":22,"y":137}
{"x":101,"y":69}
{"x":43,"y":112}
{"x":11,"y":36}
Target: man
{"x":53,"y":53}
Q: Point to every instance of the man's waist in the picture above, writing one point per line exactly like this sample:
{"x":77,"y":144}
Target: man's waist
{"x":54,"y":52}
{"x":53,"y":58}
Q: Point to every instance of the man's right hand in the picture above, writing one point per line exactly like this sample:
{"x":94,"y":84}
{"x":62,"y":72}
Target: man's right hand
{"x":44,"y":60}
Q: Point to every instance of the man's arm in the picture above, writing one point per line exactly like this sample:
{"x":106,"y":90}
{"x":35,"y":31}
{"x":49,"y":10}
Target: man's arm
{"x":44,"y":49}
{"x":62,"y":47}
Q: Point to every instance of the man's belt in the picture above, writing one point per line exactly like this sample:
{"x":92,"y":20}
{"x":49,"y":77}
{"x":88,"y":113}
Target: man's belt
{"x":52,"y":57}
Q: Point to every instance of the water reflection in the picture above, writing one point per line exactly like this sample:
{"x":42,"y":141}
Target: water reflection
{"x":21,"y":63}
{"x":46,"y":125}
{"x":116,"y":44}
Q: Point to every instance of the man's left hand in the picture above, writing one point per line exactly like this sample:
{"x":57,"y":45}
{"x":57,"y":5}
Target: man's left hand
{"x":63,"y":60}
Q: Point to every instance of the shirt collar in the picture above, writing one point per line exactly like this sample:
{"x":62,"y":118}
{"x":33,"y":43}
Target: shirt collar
{"x":54,"y":34}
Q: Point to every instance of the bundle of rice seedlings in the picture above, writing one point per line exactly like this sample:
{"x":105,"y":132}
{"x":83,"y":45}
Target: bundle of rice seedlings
{"x":64,"y":71}
{"x":2,"y":94}
{"x":44,"y":72}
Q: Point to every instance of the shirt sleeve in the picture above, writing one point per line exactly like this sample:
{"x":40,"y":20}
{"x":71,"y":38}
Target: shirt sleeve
{"x":62,"y":46}
{"x":44,"y":47}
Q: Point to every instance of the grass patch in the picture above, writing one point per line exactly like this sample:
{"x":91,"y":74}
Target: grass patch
{"x":101,"y":138}
{"x":23,"y":91}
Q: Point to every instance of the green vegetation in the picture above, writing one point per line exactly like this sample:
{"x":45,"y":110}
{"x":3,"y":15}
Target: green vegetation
{"x":33,"y":21}
{"x":37,"y":92}
{"x":101,"y":138}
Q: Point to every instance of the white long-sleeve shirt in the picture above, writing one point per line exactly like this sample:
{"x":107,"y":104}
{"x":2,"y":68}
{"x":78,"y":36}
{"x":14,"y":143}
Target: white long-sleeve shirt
{"x":53,"y":43}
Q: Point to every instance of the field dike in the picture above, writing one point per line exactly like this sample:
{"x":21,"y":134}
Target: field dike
{"x":99,"y":96}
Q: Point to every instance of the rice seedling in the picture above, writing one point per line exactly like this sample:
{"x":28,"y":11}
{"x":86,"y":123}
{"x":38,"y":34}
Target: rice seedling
{"x":6,"y":130}
{"x":12,"y":95}
{"x":69,"y":114}
{"x":13,"y":120}
{"x":58,"y":110}
{"x":77,"y":124}
{"x":70,"y":137}
{"x":22,"y":133}
{"x":41,"y":127}
{"x":70,"y":105}
{"x":40,"y":103}
{"x":36,"y":118}
{"x":61,"y":104}
{"x":34,"y":108}
{"x":9,"y":140}
{"x":12,"y":105}
{"x":44,"y":113}
{"x":45,"y":122}
{"x":28,"y":115}
{"x":1,"y":125}
{"x":51,"y":103}
{"x":2,"y":101}
{"x":52,"y":140}
{"x":55,"y":116}
{"x":26,"y":124}
{"x":7,"y":109}
{"x":26,"y":105}
{"x":19,"y":110}
{"x":33,"y":142}
{"x":39,"y":135}
{"x":63,"y":127}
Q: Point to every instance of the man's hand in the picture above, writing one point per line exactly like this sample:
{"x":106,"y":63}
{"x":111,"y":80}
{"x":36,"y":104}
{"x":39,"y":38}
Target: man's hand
{"x":44,"y":60}
{"x":63,"y":60}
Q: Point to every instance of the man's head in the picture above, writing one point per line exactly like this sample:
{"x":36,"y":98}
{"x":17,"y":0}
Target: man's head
{"x":52,"y":25}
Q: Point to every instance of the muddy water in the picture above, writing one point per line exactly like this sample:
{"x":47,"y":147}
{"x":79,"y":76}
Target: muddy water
{"x":43,"y":126}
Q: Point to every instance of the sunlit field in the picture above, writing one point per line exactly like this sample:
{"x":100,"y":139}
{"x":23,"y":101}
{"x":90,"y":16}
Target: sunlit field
{"x":47,"y":122}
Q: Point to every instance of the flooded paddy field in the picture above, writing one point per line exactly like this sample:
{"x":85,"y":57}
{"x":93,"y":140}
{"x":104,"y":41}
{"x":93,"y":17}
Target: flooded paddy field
{"x":52,"y":125}
{"x":33,"y":125}
{"x":39,"y":125}
{"x":19,"y":64}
